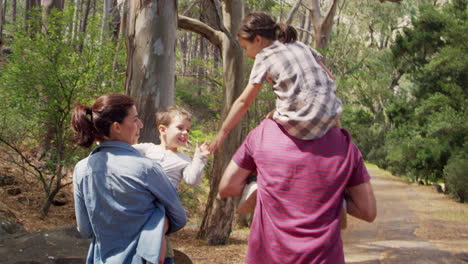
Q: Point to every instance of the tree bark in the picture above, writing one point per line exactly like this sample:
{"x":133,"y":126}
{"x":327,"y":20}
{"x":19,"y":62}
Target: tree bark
{"x":13,"y":10}
{"x":47,"y":6}
{"x":151,"y":41}
{"x":322,"y":24}
{"x":76,"y":18}
{"x":307,"y":27}
{"x":122,"y":6}
{"x":292,"y":12}
{"x":84,"y":22}
{"x":32,"y":15}
{"x":105,"y":19}
{"x":217,"y":221}
{"x":1,"y":21}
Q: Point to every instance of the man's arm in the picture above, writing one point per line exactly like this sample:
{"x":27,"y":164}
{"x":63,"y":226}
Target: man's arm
{"x":360,"y":201}
{"x":233,"y":180}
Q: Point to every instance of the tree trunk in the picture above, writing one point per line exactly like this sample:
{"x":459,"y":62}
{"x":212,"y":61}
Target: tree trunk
{"x":13,"y":10}
{"x":151,"y":40}
{"x":122,"y":6}
{"x":307,"y":27}
{"x":1,"y":21}
{"x":76,"y":18}
{"x":217,"y":221}
{"x":105,"y":19}
{"x":216,"y":226}
{"x":47,"y":6}
{"x":84,"y":22}
{"x":322,"y":24}
{"x":32,"y":15}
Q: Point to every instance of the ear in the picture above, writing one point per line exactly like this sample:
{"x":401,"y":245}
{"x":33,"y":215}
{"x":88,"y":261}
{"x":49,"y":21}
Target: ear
{"x":257,"y":39}
{"x":162,"y":129}
{"x":115,"y":129}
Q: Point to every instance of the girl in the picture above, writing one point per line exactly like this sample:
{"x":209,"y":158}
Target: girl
{"x":306,"y":104}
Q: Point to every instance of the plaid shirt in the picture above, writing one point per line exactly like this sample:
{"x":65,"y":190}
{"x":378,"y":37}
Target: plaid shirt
{"x":306,"y":104}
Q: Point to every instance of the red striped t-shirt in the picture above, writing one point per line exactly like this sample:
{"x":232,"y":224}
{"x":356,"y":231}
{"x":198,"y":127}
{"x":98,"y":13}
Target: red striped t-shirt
{"x":300,"y":193}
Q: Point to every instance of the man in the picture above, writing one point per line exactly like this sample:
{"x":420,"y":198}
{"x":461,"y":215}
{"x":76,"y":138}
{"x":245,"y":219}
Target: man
{"x":301,"y":188}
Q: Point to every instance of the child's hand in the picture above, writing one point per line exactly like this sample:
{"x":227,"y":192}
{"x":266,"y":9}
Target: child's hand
{"x":216,"y":143}
{"x":203,"y":149}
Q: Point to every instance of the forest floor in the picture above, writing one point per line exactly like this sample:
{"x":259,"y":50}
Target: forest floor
{"x":415,"y":224}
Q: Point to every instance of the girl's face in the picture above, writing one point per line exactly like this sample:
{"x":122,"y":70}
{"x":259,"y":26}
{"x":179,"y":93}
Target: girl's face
{"x":176,"y":134}
{"x":252,"y":48}
{"x":129,"y":130}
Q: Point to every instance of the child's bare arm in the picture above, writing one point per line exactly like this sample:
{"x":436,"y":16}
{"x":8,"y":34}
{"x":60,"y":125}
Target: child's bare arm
{"x":326,"y":70}
{"x":238,"y":110}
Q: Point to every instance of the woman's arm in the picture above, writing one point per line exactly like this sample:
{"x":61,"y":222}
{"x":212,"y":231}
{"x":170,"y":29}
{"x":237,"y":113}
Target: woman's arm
{"x":167,"y":196}
{"x":237,"y":111}
{"x":82,"y":219}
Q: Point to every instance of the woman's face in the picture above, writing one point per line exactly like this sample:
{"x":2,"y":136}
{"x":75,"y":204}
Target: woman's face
{"x":129,"y":130}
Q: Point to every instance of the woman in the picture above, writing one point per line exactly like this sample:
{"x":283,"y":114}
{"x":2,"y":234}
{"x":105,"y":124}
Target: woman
{"x":120,"y":196}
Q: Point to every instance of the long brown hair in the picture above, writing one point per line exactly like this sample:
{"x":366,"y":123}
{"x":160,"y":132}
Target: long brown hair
{"x":262,"y":24}
{"x":93,"y":123}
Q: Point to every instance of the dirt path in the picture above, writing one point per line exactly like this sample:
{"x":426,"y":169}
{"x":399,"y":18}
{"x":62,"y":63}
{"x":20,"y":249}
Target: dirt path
{"x":414,"y":225}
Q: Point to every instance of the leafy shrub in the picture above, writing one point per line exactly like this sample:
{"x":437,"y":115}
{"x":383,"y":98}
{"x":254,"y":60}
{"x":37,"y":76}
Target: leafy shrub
{"x":456,"y":176}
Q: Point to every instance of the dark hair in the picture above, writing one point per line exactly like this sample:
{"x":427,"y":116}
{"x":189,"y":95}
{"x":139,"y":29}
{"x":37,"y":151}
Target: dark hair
{"x":262,"y":24}
{"x":166,"y":116}
{"x":93,"y":123}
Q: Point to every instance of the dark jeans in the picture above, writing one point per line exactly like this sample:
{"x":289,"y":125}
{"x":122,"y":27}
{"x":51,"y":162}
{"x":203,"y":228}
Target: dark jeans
{"x":168,"y":261}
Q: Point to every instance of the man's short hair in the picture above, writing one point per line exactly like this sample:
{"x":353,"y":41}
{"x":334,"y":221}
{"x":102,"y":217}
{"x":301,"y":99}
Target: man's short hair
{"x":167,"y":115}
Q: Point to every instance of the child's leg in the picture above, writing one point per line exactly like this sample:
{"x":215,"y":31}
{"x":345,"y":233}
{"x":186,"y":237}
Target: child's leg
{"x":162,"y":253}
{"x":338,"y":123}
{"x":343,"y":218}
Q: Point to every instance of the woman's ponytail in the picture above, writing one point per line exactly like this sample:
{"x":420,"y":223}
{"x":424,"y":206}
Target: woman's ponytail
{"x":83,"y":126}
{"x":286,"y":33}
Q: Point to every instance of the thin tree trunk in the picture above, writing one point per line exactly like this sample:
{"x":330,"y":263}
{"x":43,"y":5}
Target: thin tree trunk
{"x":105,"y":19}
{"x":1,"y":21}
{"x":13,"y":10}
{"x":307,"y":27}
{"x":76,"y":19}
{"x":218,"y":216}
{"x":47,"y":6}
{"x":322,"y":24}
{"x":122,"y":6}
{"x":84,"y":22}
{"x":151,"y":41}
{"x":292,"y":12}
{"x":216,"y":226}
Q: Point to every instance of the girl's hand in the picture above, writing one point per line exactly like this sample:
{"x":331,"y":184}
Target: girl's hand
{"x":216,"y":143}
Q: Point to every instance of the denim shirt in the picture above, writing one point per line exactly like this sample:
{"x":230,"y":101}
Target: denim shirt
{"x":121,"y":199}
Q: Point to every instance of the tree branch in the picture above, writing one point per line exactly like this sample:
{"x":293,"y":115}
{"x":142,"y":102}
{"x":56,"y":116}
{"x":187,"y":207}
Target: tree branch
{"x":228,"y":34}
{"x":195,"y":25}
{"x":328,"y":20}
{"x":25,"y":159}
{"x":393,"y":1}
{"x":293,"y":12}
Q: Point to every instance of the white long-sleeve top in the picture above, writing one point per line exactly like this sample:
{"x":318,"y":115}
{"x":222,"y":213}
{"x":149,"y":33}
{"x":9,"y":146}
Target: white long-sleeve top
{"x":176,"y":165}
